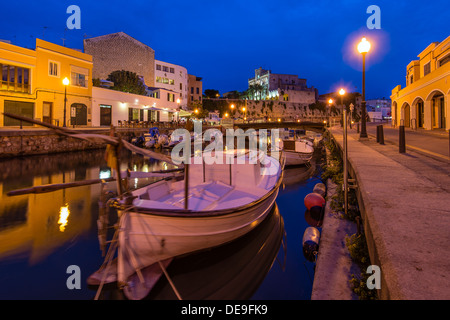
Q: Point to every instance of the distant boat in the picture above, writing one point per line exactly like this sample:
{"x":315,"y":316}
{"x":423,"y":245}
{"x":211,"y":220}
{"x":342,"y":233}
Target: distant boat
{"x":297,"y":152}
{"x":213,"y":205}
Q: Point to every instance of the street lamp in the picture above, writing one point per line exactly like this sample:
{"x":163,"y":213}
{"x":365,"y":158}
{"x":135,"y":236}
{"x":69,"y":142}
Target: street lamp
{"x":363,"y":48}
{"x":65,"y":83}
{"x":341,"y":93}
{"x":330,"y":102}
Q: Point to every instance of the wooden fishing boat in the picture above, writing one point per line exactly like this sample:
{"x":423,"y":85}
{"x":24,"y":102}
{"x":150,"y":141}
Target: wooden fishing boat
{"x":213,"y":205}
{"x":297,"y":152}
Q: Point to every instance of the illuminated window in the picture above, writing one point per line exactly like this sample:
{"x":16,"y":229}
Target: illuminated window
{"x":79,"y":77}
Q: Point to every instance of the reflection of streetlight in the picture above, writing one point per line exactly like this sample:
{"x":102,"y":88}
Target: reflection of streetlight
{"x":65,"y":83}
{"x":63,"y":215}
{"x":363,"y":48}
{"x":341,"y":93}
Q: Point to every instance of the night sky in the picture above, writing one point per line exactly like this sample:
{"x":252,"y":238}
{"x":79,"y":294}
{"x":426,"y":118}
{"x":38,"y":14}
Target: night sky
{"x":224,"y":41}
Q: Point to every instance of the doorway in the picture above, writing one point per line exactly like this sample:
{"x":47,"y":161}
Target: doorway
{"x":47,"y":109}
{"x":105,"y":115}
{"x":78,"y":114}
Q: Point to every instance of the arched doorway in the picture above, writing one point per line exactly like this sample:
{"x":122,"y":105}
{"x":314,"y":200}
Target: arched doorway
{"x":437,"y":103}
{"x":394,"y":114}
{"x":405,"y":115}
{"x":417,"y":113}
{"x":78,"y":114}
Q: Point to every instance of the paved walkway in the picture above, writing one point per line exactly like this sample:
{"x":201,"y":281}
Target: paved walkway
{"x":433,"y":143}
{"x":406,"y":212}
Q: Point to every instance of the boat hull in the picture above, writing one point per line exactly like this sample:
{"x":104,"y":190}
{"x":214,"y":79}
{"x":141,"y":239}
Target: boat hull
{"x":145,"y":238}
{"x":293,"y":158}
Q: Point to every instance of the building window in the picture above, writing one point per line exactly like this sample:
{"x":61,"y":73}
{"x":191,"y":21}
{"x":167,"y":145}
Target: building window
{"x":171,"y":97}
{"x":79,"y":80}
{"x":53,"y":68}
{"x":158,"y":67}
{"x":165,"y":69}
{"x":444,"y":61}
{"x":411,"y":80}
{"x":171,"y":81}
{"x":426,"y":68}
{"x":198,"y":90}
{"x":79,"y":77}
{"x":172,"y":70}
{"x":14,"y":78}
{"x":181,"y":86}
{"x":192,"y":90}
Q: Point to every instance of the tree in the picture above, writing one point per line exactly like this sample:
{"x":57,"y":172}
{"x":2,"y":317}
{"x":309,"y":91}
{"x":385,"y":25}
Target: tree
{"x":212,"y":93}
{"x":127,"y":81}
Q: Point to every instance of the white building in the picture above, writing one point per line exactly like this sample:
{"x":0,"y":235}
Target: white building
{"x":111,"y":106}
{"x":382,"y":106}
{"x":174,"y":78}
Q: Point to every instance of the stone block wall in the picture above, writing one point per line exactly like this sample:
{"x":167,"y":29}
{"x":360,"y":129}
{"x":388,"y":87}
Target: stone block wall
{"x":119,"y":51}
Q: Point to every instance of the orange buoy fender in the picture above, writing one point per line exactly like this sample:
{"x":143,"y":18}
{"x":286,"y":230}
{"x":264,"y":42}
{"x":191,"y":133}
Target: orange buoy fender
{"x":314,"y":200}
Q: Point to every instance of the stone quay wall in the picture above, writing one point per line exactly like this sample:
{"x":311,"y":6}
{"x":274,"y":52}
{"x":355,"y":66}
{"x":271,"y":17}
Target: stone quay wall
{"x":33,"y":142}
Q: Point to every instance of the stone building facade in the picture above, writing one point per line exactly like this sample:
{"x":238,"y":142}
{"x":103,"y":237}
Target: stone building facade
{"x":119,"y":51}
{"x":282,"y":87}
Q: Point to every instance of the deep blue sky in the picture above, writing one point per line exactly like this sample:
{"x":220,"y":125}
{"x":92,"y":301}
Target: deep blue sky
{"x":224,"y":41}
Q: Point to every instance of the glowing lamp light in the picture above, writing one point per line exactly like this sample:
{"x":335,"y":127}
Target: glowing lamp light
{"x":66,"y":81}
{"x":342,"y":92}
{"x":364,"y":46}
{"x":330,"y":101}
{"x":63,"y":215}
{"x":232,"y":106}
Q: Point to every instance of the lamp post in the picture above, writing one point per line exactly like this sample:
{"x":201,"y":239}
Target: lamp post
{"x":330,"y":102}
{"x":65,"y":83}
{"x":363,"y":48}
{"x":341,"y":93}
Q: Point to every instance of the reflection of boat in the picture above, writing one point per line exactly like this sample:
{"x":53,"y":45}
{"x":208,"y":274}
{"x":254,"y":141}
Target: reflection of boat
{"x":232,"y":271}
{"x":297,"y":152}
{"x":222,"y":203}
{"x":294,"y":175}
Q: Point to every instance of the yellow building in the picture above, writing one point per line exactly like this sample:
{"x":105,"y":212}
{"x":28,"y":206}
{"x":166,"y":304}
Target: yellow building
{"x":425,"y":101}
{"x":32,"y":84}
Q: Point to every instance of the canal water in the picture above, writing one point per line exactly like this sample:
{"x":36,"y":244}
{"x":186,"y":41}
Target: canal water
{"x":42,"y":235}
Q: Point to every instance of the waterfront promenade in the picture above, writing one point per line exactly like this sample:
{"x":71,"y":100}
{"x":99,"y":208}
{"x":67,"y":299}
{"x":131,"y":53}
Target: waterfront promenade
{"x":405,"y":205}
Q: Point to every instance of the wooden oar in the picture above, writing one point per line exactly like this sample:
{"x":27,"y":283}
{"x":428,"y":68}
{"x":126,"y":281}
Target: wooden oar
{"x":131,"y":174}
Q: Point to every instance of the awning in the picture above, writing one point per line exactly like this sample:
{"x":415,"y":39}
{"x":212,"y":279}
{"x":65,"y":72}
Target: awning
{"x":184,"y":113}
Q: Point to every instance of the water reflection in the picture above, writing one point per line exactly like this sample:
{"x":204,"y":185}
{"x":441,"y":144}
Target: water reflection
{"x":32,"y":224}
{"x":229,"y":272}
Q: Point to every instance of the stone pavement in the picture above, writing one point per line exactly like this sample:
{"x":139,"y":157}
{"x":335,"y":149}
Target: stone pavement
{"x":405,"y":205}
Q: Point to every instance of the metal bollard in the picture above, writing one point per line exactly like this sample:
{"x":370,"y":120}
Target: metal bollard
{"x":378,"y":134}
{"x":381,"y":135}
{"x":401,"y":139}
{"x":357,"y":128}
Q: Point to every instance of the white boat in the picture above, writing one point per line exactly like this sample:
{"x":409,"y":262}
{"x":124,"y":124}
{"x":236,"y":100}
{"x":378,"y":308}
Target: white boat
{"x":221,"y":203}
{"x":297,"y":152}
{"x":149,"y":141}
